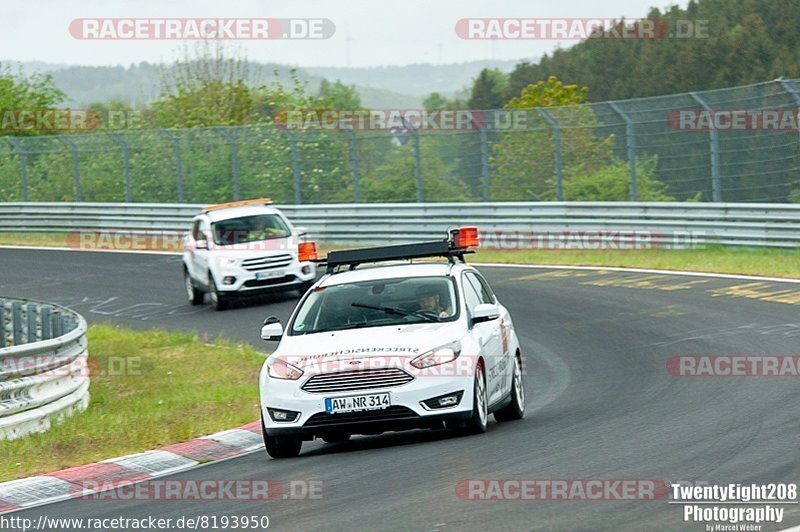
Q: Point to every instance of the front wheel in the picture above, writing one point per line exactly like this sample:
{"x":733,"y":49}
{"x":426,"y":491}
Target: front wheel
{"x":516,"y":408}
{"x":195,"y":295}
{"x":479,"y":421}
{"x":280,"y":446}
{"x":217,"y":300}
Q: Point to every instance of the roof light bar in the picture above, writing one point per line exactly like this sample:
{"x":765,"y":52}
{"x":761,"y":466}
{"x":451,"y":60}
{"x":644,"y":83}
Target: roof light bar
{"x":242,"y":203}
{"x":455,"y":246}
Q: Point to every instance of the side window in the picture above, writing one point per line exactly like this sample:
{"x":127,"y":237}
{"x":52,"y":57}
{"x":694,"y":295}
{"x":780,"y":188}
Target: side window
{"x":471,"y":297}
{"x":482,"y":287}
{"x":195,"y":229}
{"x":202,"y":230}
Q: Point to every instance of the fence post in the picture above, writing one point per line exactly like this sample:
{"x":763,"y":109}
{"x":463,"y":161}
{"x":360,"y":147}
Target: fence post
{"x":716,"y":181}
{"x":630,"y":142}
{"x":47,"y":322}
{"x":31,"y":314}
{"x":234,"y":159}
{"x":556,"y":152}
{"x":3,"y":334}
{"x":178,"y":162}
{"x":126,"y":163}
{"x":298,"y":192}
{"x":791,"y":89}
{"x":23,"y":162}
{"x":484,"y":141}
{"x":76,"y":173}
{"x":417,"y":160}
{"x":353,"y":148}
{"x":16,"y":322}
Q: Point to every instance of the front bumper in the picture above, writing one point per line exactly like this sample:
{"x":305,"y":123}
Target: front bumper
{"x":406,"y":411}
{"x":368,"y":422}
{"x":254,"y":283}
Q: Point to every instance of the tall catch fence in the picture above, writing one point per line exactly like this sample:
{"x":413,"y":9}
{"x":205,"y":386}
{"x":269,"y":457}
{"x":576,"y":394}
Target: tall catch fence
{"x":739,"y":144}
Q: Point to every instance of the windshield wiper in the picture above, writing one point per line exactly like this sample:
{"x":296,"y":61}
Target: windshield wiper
{"x":397,"y":311}
{"x":341,"y":327}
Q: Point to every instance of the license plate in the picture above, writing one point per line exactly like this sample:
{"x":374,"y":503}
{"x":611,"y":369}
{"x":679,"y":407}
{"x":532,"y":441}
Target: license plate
{"x":269,"y":274}
{"x":357,"y":403}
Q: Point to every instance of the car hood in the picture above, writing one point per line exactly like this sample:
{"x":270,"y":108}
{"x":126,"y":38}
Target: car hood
{"x":392,"y":343}
{"x":259,"y":248}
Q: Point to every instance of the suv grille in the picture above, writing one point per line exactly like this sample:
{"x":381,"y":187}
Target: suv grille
{"x":265,"y":263}
{"x":357,"y":380}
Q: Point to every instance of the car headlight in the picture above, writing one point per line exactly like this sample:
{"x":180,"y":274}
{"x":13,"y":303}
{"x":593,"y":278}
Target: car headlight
{"x":229,"y":261}
{"x":440,"y":355}
{"x":280,"y":369}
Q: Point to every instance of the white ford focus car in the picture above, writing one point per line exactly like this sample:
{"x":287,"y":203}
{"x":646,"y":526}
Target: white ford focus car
{"x":391,"y":347}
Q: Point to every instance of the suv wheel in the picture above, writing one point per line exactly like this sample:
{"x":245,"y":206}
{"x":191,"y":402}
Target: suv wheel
{"x":217,"y":300}
{"x":195,"y":295}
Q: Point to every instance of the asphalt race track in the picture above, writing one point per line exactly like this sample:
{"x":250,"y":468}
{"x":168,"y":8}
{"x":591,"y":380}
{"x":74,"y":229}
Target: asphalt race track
{"x":601,"y":403}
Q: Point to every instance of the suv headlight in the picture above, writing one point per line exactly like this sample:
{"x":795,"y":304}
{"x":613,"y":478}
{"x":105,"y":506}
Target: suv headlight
{"x":229,"y":261}
{"x":440,"y":355}
{"x":280,"y":369}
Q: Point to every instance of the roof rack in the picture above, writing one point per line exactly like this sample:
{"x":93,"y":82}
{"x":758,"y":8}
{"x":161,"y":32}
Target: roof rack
{"x":242,"y":203}
{"x":455,"y":246}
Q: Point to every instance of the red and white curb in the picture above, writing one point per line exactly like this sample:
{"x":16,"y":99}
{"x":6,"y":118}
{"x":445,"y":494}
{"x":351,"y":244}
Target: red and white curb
{"x":110,"y":474}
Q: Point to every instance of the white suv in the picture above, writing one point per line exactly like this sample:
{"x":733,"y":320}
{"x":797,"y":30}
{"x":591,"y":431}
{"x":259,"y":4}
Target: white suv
{"x":245,"y":248}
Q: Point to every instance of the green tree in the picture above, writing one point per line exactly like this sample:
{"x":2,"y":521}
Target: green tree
{"x":487,"y":90}
{"x":337,"y":95}
{"x":523,"y":160}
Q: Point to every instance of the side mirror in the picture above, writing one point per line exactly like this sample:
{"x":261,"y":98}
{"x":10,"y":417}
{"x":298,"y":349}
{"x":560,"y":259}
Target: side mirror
{"x":485,"y":312}
{"x":201,"y":244}
{"x":272,"y":329}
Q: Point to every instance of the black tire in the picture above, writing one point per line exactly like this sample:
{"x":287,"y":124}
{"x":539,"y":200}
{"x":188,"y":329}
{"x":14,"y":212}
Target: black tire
{"x":218,"y":301}
{"x":280,"y":446}
{"x":479,"y":421}
{"x":195,"y":296}
{"x":516,"y":408}
{"x":283,"y":446}
{"x":336,"y":438}
{"x":303,"y":288}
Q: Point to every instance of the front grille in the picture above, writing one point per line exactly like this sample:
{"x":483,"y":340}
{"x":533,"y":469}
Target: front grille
{"x":393,"y":412}
{"x":347,"y":381}
{"x":266,"y":263}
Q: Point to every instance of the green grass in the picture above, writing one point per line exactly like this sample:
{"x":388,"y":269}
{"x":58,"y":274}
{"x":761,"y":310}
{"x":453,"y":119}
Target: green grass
{"x":714,"y":259}
{"x":177,"y":387}
{"x":33,"y":239}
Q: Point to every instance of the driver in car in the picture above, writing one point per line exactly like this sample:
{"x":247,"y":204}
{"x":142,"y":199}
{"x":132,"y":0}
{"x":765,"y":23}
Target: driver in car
{"x":428,"y":299}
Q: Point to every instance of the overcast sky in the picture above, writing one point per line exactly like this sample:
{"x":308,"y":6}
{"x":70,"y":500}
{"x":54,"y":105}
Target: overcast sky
{"x":379,"y":32}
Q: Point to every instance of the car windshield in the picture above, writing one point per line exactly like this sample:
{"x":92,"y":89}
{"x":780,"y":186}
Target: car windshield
{"x":377,"y":303}
{"x":249,"y":229}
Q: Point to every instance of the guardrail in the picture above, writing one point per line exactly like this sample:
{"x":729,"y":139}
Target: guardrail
{"x":43,"y":366}
{"x":668,"y":223}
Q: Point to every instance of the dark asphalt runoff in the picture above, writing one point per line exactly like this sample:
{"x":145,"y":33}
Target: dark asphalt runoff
{"x":601,"y":403}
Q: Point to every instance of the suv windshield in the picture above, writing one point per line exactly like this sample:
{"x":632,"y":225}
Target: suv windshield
{"x":249,"y":229}
{"x":377,"y":303}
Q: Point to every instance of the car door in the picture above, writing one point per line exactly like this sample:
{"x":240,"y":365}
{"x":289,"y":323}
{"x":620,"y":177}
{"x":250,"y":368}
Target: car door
{"x":488,"y":336}
{"x":199,"y":250}
{"x":506,"y":361}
